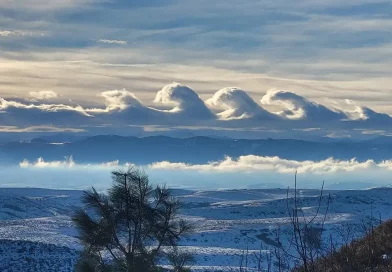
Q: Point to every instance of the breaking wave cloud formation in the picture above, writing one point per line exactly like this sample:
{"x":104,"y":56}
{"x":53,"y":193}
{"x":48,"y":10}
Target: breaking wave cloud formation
{"x":229,"y":107}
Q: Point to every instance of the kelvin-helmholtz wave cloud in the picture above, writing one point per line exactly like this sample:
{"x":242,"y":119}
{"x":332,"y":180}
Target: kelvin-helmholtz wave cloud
{"x":178,"y":105}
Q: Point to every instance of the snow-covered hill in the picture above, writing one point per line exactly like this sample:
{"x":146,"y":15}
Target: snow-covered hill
{"x":36,"y":231}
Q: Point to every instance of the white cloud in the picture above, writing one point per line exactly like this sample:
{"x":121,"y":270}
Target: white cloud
{"x":6,"y":104}
{"x":112,"y":41}
{"x":69,"y":162}
{"x":43,"y":95}
{"x":237,"y":104}
{"x":297,"y":107}
{"x":44,"y":5}
{"x":253,"y":163}
{"x":364,"y":113}
{"x":184,"y":100}
{"x":120,"y":100}
{"x":39,"y":129}
{"x":40,"y":163}
{"x":19,"y":33}
{"x":243,"y":164}
{"x":228,"y":108}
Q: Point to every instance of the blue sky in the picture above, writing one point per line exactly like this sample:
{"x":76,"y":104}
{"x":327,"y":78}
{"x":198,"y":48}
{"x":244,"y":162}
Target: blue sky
{"x":326,"y":51}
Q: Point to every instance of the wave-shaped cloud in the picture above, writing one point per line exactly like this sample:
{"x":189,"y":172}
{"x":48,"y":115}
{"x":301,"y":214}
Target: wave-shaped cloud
{"x":299,"y":108}
{"x":230,"y":107}
{"x":367,"y":115}
{"x":120,"y":100}
{"x":185,"y":101}
{"x":237,"y":104}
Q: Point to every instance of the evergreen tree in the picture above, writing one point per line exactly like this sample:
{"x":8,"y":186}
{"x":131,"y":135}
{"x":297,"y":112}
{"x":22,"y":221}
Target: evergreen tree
{"x":131,"y":223}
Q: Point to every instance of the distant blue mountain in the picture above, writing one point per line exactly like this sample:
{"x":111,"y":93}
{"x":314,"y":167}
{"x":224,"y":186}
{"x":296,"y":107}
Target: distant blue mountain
{"x":190,"y":150}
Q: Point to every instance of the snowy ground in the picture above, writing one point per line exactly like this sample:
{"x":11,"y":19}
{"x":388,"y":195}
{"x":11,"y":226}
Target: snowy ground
{"x":35,"y":226}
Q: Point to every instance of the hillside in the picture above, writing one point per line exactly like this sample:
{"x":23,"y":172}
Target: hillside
{"x":227,"y":222}
{"x":373,"y":252}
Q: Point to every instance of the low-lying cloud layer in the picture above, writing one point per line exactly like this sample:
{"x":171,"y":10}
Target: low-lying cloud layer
{"x":179,"y":105}
{"x":253,"y":163}
{"x":229,"y":173}
{"x":249,"y":163}
{"x":69,"y":162}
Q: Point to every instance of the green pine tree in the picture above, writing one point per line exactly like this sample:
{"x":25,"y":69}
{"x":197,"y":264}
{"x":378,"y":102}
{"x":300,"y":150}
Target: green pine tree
{"x":131,"y":224}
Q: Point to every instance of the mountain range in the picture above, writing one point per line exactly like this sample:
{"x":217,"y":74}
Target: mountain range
{"x":103,"y":148}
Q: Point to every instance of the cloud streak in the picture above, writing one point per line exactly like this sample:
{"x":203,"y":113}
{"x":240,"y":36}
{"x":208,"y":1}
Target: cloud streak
{"x":112,"y":41}
{"x":19,"y":33}
{"x":43,"y":95}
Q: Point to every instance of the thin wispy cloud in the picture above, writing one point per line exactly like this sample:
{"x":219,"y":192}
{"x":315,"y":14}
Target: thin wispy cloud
{"x":42,"y":95}
{"x":18,"y":33}
{"x":13,"y":129}
{"x":112,"y":41}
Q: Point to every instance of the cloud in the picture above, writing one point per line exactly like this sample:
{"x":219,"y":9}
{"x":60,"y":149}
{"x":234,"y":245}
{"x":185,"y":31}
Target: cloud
{"x":19,"y":33}
{"x":43,"y":95}
{"x":237,"y":104}
{"x":6,"y":105}
{"x":249,"y":164}
{"x":15,"y":113}
{"x":296,"y":107}
{"x":177,"y":106}
{"x":43,"y":5}
{"x":253,"y":163}
{"x":40,"y":163}
{"x":367,"y":115}
{"x":120,"y":100}
{"x":185,"y":101}
{"x":69,"y":162}
{"x":40,"y":129}
{"x":112,"y":41}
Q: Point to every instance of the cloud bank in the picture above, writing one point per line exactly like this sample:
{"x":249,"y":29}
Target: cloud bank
{"x":249,"y":164}
{"x":69,"y":163}
{"x":253,"y":163}
{"x":237,"y":173}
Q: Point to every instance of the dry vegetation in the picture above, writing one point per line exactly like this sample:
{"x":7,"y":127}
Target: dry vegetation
{"x":371,"y":253}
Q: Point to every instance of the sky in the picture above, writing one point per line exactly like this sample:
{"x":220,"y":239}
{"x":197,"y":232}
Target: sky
{"x":279,"y":66}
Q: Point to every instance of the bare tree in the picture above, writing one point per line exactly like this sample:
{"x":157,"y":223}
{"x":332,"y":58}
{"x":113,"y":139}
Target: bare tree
{"x":306,"y":231}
